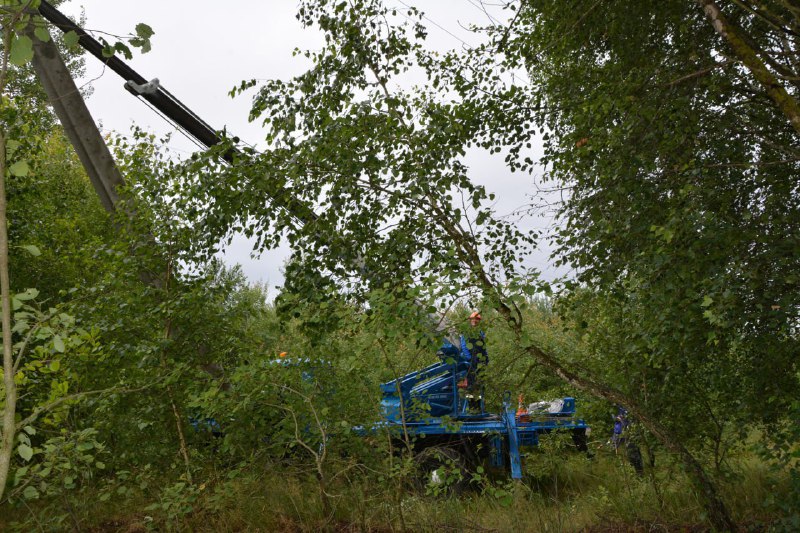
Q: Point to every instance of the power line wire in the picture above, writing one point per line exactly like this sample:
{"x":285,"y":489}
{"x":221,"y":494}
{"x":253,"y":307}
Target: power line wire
{"x":479,"y":6}
{"x":174,"y":125}
{"x":469,"y":47}
{"x":465,"y":43}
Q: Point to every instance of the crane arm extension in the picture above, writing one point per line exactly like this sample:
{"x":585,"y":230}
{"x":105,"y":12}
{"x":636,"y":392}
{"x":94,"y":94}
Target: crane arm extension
{"x":167,"y":104}
{"x":160,"y":99}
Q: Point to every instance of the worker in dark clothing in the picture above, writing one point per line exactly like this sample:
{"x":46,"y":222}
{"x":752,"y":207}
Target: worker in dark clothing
{"x":622,"y":439}
{"x":473,"y":344}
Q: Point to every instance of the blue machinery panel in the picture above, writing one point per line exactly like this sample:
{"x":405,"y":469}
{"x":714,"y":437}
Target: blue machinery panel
{"x":432,"y":402}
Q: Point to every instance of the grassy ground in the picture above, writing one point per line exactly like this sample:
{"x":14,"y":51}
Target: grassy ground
{"x":569,"y":493}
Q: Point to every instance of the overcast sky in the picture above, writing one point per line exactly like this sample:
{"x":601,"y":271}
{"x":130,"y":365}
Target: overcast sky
{"x":201,"y":49}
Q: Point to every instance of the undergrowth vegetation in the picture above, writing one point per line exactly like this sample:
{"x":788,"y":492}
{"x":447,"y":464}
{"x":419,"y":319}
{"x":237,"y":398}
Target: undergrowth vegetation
{"x":561,"y":491}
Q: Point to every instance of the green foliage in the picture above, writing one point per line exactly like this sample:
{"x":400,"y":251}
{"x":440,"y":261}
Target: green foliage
{"x":591,"y":493}
{"x":21,"y":50}
{"x":175,"y":502}
{"x":681,"y":222}
{"x":502,"y":491}
{"x":142,"y":39}
{"x":71,"y":39}
{"x":671,"y":217}
{"x":387,"y":219}
{"x":56,"y":211}
{"x":784,"y":451}
{"x":62,"y":464}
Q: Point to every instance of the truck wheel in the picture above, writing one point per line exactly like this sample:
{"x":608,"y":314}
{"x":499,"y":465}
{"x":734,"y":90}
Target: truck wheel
{"x":440,"y":471}
{"x":580,"y":439}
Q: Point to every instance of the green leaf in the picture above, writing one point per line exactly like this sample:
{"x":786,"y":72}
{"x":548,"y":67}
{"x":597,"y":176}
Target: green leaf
{"x":20,"y":168}
{"x":25,"y":451}
{"x":56,"y":364}
{"x":507,"y":499}
{"x":144,"y":31}
{"x":58,"y":344}
{"x":30,"y":493}
{"x":21,"y":50}
{"x":29,"y":294}
{"x":31,"y":249}
{"x":143,"y":44}
{"x":12,"y":146}
{"x":123,"y":49}
{"x":42,"y":34}
{"x":71,"y":39}
{"x":707,"y":300}
{"x":30,"y":430}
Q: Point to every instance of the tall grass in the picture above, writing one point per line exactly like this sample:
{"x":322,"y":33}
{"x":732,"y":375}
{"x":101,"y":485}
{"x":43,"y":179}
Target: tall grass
{"x":559,"y":493}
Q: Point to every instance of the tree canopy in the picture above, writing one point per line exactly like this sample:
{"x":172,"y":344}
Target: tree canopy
{"x":670,"y":128}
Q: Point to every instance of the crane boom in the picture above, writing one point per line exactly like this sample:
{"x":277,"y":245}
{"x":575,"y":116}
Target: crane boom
{"x":161,"y":99}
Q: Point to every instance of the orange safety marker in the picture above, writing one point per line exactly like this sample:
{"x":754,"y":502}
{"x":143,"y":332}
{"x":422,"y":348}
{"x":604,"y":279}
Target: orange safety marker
{"x":521,"y":409}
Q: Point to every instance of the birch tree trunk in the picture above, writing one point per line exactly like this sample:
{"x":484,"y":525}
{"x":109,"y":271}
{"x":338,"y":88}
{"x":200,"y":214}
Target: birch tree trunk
{"x":9,"y":387}
{"x":738,"y":41}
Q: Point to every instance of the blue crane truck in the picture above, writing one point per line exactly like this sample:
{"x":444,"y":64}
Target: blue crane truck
{"x":433,"y":408}
{"x":428,"y":404}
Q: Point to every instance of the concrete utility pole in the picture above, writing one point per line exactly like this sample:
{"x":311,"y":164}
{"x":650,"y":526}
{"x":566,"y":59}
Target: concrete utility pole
{"x":78,"y":123}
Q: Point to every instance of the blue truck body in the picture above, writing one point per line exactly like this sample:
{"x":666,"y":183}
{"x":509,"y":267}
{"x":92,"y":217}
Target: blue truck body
{"x":430,"y":403}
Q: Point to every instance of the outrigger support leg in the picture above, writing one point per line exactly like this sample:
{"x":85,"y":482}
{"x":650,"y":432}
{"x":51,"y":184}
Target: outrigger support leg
{"x":513,"y":440}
